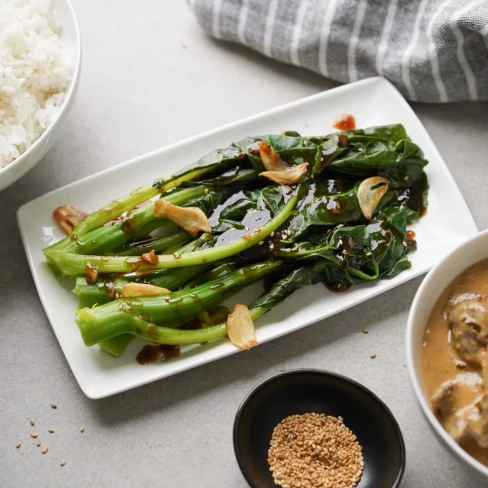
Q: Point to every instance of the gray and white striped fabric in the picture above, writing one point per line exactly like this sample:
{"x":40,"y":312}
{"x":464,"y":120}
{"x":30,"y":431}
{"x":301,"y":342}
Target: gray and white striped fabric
{"x":432,"y":50}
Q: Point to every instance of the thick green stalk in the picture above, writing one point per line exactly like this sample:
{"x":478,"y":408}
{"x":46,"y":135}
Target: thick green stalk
{"x":157,"y":244}
{"x":123,"y":316}
{"x":96,"y":294}
{"x":116,"y":346}
{"x":176,"y":277}
{"x":113,"y":209}
{"x":140,"y":222}
{"x":106,"y":214}
{"x":89,"y":295}
{"x":172,"y":279}
{"x":305,"y":275}
{"x":75,"y":265}
{"x":176,"y":337}
{"x":168,"y":278}
{"x":128,"y":202}
{"x":217,"y":272}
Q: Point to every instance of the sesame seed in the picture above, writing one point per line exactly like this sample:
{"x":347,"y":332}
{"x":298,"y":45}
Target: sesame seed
{"x":282,"y":369}
{"x":261,"y":243}
{"x":32,"y":422}
{"x":44,"y":450}
{"x":313,"y":450}
{"x":365,"y":331}
{"x":50,"y":430}
{"x":82,"y":429}
{"x":206,"y":191}
{"x":53,"y":405}
{"x":33,"y":435}
{"x":62,"y":463}
{"x":18,"y":445}
{"x":372,"y":356}
{"x":38,"y":443}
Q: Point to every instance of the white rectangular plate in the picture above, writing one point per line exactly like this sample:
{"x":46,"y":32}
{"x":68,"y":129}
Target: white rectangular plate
{"x":373,"y":102}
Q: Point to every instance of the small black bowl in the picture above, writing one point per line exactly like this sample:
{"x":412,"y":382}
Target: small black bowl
{"x":313,"y":391}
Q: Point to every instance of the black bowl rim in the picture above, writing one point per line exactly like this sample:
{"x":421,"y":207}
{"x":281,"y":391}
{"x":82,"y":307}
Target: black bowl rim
{"x":338,"y":376}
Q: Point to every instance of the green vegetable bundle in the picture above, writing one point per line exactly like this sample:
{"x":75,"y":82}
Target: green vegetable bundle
{"x":296,"y":210}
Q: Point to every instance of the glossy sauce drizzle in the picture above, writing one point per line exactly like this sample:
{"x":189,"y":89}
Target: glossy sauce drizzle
{"x":150,"y":354}
{"x":345,"y":122}
{"x":336,"y":287}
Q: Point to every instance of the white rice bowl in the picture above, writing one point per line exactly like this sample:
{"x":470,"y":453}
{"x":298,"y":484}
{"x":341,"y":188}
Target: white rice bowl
{"x":36,"y":67}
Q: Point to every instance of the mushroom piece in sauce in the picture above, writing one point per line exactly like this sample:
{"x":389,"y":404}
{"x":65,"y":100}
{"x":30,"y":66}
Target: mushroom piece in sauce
{"x":455,"y":360}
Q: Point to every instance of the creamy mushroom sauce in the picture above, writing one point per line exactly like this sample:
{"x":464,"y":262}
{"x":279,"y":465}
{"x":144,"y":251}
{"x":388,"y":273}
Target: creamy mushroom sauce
{"x":453,"y":360}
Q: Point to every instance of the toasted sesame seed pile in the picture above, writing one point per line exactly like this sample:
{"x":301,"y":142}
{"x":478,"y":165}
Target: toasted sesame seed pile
{"x":314,"y":450}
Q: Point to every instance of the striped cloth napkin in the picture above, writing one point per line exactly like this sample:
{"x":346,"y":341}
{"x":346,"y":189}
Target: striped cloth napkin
{"x":432,"y":50}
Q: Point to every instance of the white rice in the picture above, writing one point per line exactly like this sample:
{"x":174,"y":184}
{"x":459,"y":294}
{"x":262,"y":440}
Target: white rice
{"x":36,"y":66}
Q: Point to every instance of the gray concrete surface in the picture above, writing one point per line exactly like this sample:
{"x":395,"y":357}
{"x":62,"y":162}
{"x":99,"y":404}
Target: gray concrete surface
{"x":150,"y":78}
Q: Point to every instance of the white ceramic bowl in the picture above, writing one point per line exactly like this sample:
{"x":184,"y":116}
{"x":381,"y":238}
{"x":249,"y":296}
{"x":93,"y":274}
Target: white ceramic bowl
{"x":29,"y":158}
{"x":470,"y":252}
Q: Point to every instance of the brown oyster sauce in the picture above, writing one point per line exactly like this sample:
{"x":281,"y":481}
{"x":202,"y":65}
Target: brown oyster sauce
{"x":440,"y":360}
{"x":336,"y":287}
{"x":150,"y":354}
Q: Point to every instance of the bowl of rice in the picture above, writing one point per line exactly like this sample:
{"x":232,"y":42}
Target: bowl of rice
{"x":40,"y":59}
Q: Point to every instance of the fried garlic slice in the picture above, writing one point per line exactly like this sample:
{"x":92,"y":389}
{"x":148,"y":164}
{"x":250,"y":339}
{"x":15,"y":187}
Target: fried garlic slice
{"x":68,"y":217}
{"x":132,"y":290}
{"x":240,"y":327}
{"x":289,"y":176}
{"x":190,"y":219}
{"x":276,"y":169}
{"x":271,"y":159}
{"x":370,"y":192}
